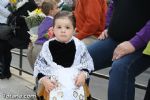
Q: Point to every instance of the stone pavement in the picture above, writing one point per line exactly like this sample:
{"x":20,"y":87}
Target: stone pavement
{"x":17,"y":87}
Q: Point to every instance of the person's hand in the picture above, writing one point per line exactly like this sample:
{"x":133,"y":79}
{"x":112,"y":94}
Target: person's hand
{"x":80,"y":79}
{"x":123,"y":49}
{"x":48,"y":84}
{"x":50,"y":33}
{"x":103,"y":35}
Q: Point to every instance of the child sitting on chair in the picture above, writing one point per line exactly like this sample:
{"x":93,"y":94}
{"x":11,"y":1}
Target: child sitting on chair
{"x":64,"y":63}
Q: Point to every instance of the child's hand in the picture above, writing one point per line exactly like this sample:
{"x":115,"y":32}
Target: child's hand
{"x":48,"y":84}
{"x":80,"y":79}
{"x":50,"y":32}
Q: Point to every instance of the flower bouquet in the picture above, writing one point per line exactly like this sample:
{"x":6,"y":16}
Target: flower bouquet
{"x":35,"y":18}
{"x":33,"y":21}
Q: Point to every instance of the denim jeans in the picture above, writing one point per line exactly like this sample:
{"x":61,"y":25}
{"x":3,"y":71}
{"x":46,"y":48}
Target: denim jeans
{"x":123,"y":71}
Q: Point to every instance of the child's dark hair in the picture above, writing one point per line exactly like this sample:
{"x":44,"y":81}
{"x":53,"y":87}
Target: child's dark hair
{"x":48,"y":5}
{"x":68,"y":14}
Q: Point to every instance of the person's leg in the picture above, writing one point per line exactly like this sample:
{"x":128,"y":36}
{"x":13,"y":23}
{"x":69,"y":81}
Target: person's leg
{"x":1,"y":64}
{"x":89,"y":40}
{"x":101,"y":51}
{"x":36,"y":50}
{"x":32,"y":54}
{"x":6,"y":60}
{"x":29,"y":54}
{"x":123,"y":73}
{"x":1,"y":56}
{"x":147,"y":95}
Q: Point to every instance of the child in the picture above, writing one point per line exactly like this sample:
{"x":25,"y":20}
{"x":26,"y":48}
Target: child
{"x":64,"y":63}
{"x":49,"y":8}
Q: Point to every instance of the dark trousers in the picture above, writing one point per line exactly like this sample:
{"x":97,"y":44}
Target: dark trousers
{"x":5,"y":57}
{"x":147,"y":95}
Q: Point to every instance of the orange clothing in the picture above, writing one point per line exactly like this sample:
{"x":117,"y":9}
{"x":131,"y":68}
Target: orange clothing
{"x":90,"y":17}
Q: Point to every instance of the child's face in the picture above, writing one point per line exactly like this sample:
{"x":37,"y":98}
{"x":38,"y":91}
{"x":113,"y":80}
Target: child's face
{"x":55,"y":10}
{"x":63,"y":29}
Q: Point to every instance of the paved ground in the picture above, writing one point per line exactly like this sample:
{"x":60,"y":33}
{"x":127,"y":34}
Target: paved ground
{"x":16,"y":88}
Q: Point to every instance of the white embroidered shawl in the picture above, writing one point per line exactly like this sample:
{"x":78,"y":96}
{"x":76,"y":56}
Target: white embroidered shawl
{"x":45,"y":65}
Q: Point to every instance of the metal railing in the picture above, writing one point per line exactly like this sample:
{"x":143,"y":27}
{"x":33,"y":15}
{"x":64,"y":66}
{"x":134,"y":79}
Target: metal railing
{"x":99,"y":75}
{"x":21,"y":55}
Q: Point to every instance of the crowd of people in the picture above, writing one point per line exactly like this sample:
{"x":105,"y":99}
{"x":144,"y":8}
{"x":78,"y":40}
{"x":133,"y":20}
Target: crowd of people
{"x":78,"y":37}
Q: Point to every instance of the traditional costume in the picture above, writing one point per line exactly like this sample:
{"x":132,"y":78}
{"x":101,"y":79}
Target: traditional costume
{"x":63,"y":62}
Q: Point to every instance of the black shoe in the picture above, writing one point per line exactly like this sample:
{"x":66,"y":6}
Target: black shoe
{"x":3,"y":76}
{"x":34,"y":88}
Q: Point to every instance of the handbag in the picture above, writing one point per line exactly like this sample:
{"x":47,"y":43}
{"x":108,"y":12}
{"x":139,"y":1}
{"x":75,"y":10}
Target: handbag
{"x":21,"y":37}
{"x":6,"y":32}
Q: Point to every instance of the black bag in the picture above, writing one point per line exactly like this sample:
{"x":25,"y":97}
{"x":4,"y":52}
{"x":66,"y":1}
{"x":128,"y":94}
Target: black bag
{"x":21,"y":37}
{"x":6,"y":32}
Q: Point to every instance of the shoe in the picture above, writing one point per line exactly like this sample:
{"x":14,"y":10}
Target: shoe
{"x":34,"y":88}
{"x":3,"y":76}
